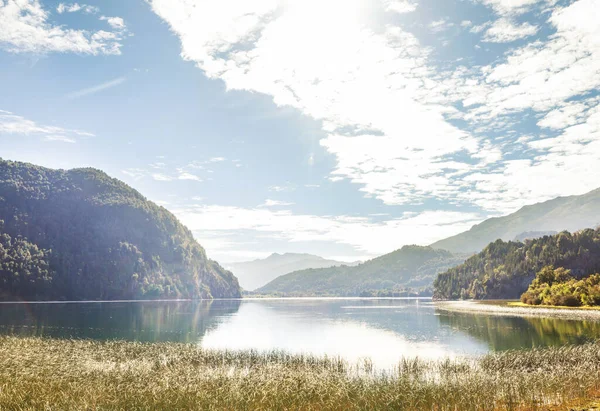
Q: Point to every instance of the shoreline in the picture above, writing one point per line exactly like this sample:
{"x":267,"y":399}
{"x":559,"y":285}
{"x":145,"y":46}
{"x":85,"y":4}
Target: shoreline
{"x":494,"y":308}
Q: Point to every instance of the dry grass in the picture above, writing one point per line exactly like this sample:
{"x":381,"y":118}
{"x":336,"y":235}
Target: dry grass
{"x":80,"y":374}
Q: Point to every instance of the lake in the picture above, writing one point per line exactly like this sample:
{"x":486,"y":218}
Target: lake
{"x":383,"y":329}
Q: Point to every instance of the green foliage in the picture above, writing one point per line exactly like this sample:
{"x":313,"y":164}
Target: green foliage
{"x":107,"y":241}
{"x":558,"y":287}
{"x":408,"y":271}
{"x":23,"y":267}
{"x":505,"y":269}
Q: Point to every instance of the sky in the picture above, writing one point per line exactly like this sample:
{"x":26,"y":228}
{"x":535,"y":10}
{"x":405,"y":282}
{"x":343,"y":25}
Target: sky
{"x":343,"y":128}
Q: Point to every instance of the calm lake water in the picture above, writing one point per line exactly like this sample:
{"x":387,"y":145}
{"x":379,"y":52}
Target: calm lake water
{"x":382,"y":329}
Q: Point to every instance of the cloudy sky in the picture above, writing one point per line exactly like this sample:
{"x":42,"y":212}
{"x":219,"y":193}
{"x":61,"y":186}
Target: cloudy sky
{"x":345,"y":128}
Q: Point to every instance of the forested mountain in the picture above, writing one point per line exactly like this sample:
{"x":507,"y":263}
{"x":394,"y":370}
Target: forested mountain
{"x":80,"y":234}
{"x":505,"y":269}
{"x":563,"y":213}
{"x":411,"y":267}
{"x":254,"y":274}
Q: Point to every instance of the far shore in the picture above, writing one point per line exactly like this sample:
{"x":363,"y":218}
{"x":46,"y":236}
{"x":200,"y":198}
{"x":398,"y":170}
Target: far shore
{"x":518,"y":309}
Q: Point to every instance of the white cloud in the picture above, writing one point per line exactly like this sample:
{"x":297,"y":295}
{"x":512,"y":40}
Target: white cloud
{"x":543,"y":75}
{"x":400,"y":6}
{"x":438,"y":26}
{"x":287,"y":187}
{"x":26,"y":29}
{"x":398,"y":141}
{"x":161,"y":177}
{"x":11,"y":124}
{"x":505,"y":30}
{"x":188,"y":176}
{"x":321,"y":73}
{"x":510,"y":6}
{"x":161,"y":173}
{"x":275,"y":203}
{"x":480,"y":27}
{"x":60,"y":138}
{"x":97,"y":88}
{"x":115,"y":22}
{"x":216,"y":159}
{"x":364,"y":235}
{"x":466,"y":23}
{"x":567,"y":115}
{"x":75,"y":7}
{"x":135,"y":173}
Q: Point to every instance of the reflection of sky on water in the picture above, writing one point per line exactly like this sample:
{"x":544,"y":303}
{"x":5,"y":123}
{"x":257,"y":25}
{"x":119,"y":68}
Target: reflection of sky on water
{"x":382,"y":329}
{"x":337,"y":329}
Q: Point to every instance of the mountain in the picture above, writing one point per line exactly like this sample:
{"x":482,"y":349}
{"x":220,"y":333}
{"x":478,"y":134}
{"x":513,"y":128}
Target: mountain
{"x":411,"y":267}
{"x":505,"y":269}
{"x":254,"y":274}
{"x":563,"y":213}
{"x":82,"y":235}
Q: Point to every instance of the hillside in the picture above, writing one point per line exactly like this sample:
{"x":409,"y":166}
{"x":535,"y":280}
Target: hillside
{"x":411,"y":267}
{"x":82,"y":235}
{"x":563,"y":213}
{"x":505,"y":269}
{"x":255,"y":274}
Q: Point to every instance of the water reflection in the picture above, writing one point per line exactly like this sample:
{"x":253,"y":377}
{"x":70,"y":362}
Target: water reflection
{"x":383,"y":329}
{"x":138,"y":321}
{"x":506,"y":333}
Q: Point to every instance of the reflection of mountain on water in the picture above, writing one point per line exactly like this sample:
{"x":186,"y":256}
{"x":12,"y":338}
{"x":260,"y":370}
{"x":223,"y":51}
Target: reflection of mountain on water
{"x":505,"y":333}
{"x":181,"y":321}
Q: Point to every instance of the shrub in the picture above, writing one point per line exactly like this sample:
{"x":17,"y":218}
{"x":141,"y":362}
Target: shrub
{"x":556,"y":286}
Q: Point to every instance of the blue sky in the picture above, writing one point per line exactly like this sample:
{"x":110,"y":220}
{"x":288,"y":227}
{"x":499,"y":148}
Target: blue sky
{"x":341,"y":128}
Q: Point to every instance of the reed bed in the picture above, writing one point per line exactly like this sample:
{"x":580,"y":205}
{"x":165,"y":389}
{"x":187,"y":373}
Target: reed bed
{"x":52,"y":374}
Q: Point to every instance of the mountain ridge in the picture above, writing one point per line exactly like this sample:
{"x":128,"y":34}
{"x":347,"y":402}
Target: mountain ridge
{"x":100,"y":238}
{"x":410,"y":267}
{"x":571,"y":213}
{"x":257,"y":273}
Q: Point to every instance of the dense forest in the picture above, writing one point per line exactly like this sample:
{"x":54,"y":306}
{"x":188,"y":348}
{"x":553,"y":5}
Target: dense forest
{"x":505,"y":269}
{"x":406,"y":271}
{"x":82,"y":235}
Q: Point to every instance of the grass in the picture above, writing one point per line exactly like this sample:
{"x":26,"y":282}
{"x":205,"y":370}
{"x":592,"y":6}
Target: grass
{"x":49,"y":374}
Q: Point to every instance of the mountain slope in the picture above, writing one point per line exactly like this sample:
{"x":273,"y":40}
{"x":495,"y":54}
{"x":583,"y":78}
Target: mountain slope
{"x":100,"y":238}
{"x":254,"y":274}
{"x":563,"y":213}
{"x":410,"y":267}
{"x":505,"y":269}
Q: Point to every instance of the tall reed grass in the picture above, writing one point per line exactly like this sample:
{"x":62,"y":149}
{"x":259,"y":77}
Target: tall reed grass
{"x":53,"y":374}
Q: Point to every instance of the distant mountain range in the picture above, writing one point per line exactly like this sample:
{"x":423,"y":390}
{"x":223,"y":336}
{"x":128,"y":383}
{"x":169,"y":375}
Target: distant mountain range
{"x":563,"y":213}
{"x":411,"y":267}
{"x":255,"y":274}
{"x":416,"y":267}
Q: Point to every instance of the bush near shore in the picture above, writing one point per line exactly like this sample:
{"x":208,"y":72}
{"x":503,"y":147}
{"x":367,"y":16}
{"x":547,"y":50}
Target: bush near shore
{"x":40,"y":373}
{"x":557,"y":287}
